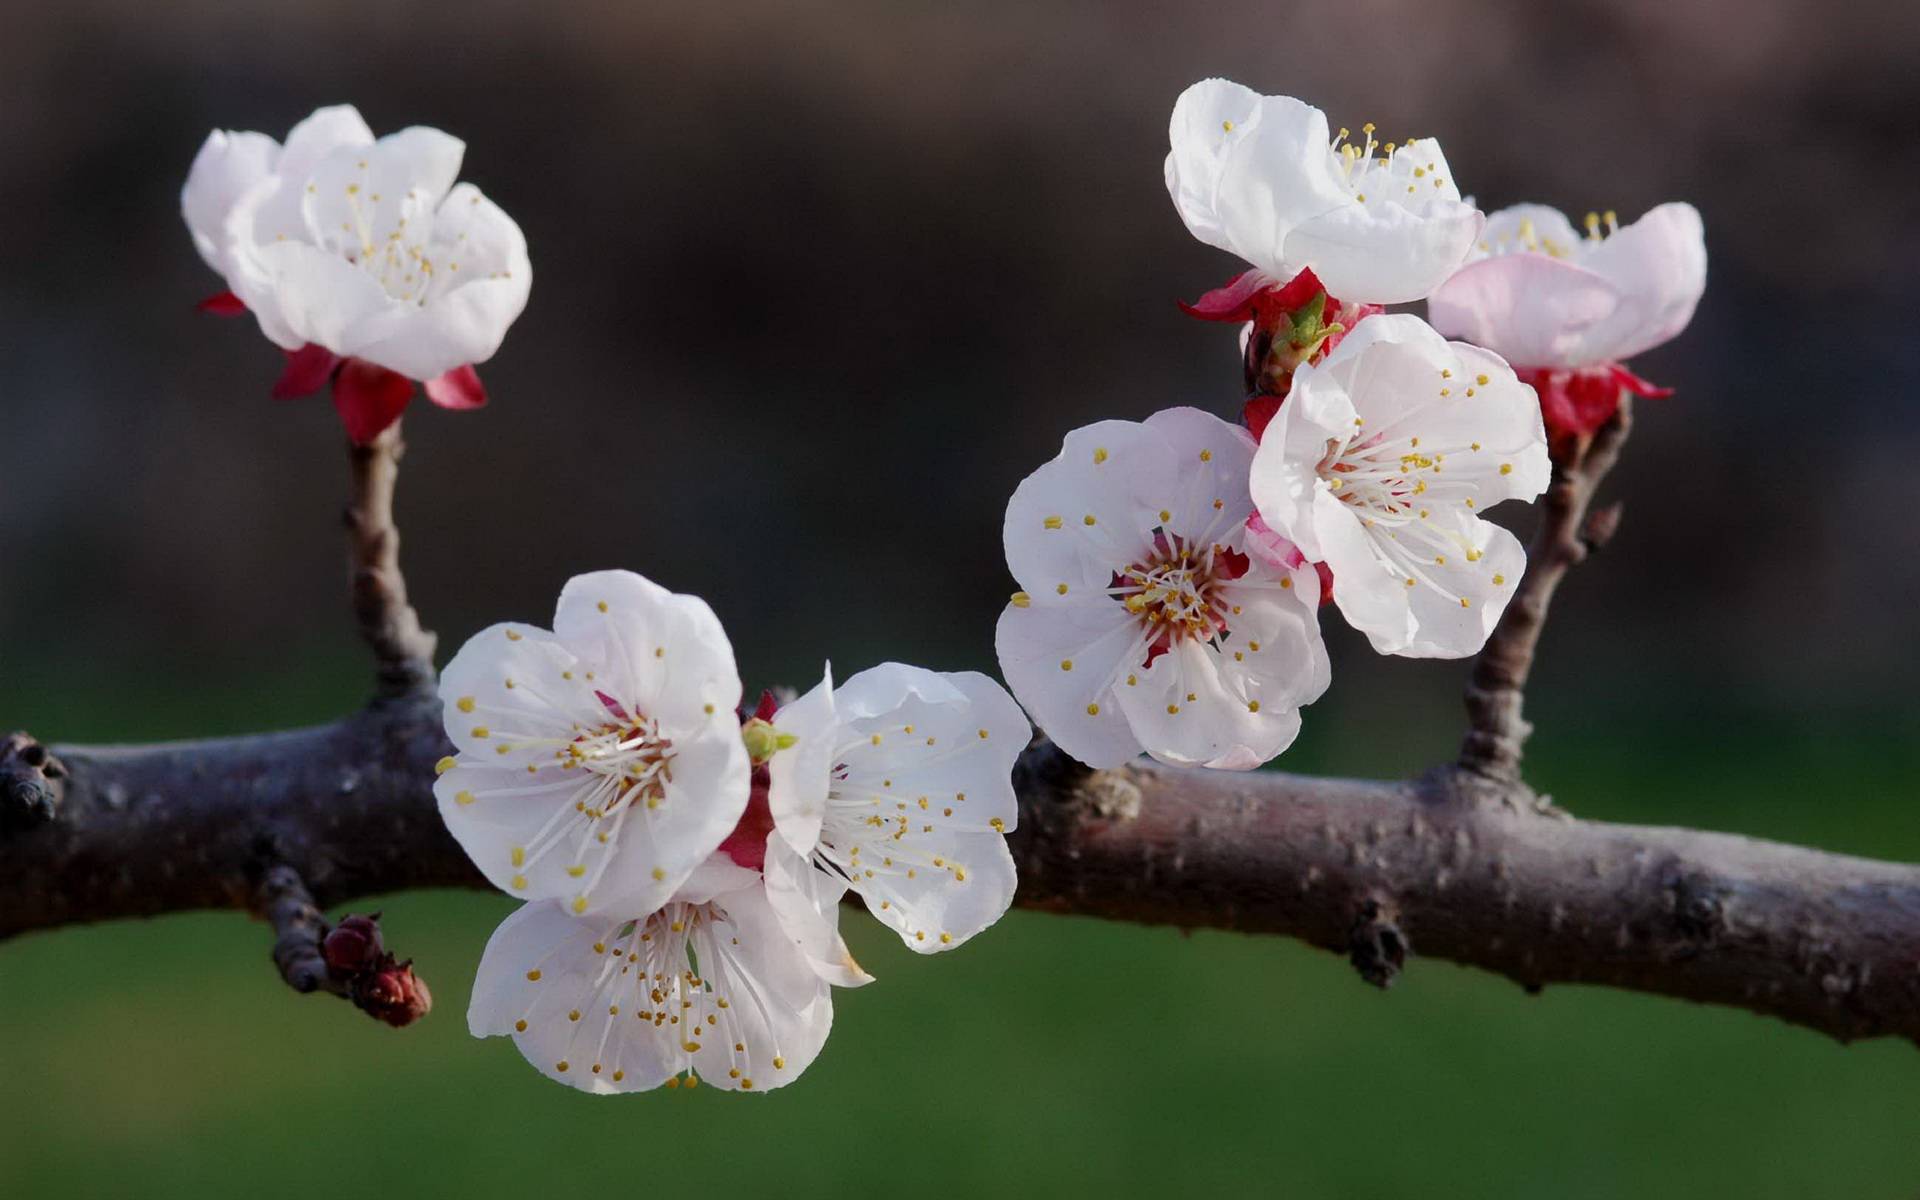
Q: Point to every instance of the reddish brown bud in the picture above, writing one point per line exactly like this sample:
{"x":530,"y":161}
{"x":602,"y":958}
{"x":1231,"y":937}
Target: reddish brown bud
{"x":393,"y":993}
{"x":353,"y":945}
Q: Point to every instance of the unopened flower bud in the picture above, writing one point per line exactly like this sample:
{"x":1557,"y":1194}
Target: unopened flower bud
{"x":393,"y":993}
{"x":353,"y":945}
{"x":763,"y":740}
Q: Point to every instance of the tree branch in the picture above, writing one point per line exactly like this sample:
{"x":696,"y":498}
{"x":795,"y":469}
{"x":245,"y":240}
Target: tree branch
{"x":1456,"y":865}
{"x":402,"y":650}
{"x":1497,"y":730}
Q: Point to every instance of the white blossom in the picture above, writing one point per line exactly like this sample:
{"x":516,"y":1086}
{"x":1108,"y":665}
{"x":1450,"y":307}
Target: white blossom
{"x":712,"y":987}
{"x":899,"y":786}
{"x":1143,"y":623}
{"x":600,"y":763}
{"x":1260,"y":177}
{"x":1379,"y":465}
{"x":365,"y":248}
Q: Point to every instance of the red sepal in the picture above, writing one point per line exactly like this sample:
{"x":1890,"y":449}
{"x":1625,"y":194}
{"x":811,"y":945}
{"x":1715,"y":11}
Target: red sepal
{"x":457,"y":389}
{"x":1259,"y":410}
{"x":747,"y":844}
{"x":306,"y":372}
{"x":369,"y":398}
{"x":1252,"y":295}
{"x":222,"y":304}
{"x":1576,"y":403}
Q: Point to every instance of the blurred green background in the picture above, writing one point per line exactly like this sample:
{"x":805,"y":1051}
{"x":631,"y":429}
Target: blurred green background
{"x":1054,"y":1056}
{"x":839,"y":273}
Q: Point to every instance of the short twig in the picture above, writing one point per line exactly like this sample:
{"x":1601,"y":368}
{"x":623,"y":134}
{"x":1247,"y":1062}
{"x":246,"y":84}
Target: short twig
{"x":1498,"y":730}
{"x":402,"y":650}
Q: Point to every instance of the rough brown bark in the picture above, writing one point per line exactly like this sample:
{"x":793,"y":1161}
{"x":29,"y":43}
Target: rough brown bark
{"x":1455,"y":865}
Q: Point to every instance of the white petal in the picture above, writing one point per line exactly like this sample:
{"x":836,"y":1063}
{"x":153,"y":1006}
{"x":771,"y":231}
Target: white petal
{"x":1214,"y":457}
{"x":1660,"y":264}
{"x":1445,"y":628}
{"x":778,"y":1013}
{"x":312,"y":295}
{"x":1120,"y":474}
{"x":941,"y":744}
{"x":1387,"y":254}
{"x":662,"y":651}
{"x":1245,"y":169}
{"x":320,"y":134}
{"x":1369,"y":595}
{"x":807,"y":902}
{"x":572,"y":978}
{"x":227,"y":166}
{"x":798,"y":776}
{"x":935,"y":908}
{"x":504,"y":686}
{"x":1072,"y":706}
{"x":715,"y":877}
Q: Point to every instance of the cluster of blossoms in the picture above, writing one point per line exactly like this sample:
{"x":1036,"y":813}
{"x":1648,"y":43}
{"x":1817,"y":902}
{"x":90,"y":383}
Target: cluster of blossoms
{"x":683,"y":860}
{"x":1171,"y":570}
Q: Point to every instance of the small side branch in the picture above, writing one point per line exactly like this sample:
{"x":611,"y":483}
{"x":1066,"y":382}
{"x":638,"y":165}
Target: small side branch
{"x":402,"y":650}
{"x":298,"y":930}
{"x":1497,"y":728}
{"x":347,"y":960}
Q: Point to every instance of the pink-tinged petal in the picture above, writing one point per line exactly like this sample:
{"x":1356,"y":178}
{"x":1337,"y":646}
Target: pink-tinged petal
{"x":369,"y":398}
{"x":223,"y":304}
{"x":306,"y":372}
{"x":1231,"y":301}
{"x":1269,"y":547}
{"x":1530,"y":309}
{"x":457,"y":389}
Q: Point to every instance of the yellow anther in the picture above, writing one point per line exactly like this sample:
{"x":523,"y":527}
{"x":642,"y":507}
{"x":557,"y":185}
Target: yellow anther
{"x":579,"y":905}
{"x":1087,"y":520}
{"x":1021,"y":600}
{"x":1061,"y":589}
{"x":1066,"y":664}
{"x":480,"y":731}
{"x":519,"y":856}
{"x":1506,"y":468}
{"x":533,"y":976}
{"x":1093,"y":710}
{"x":520,"y":882}
{"x":465,"y":704}
{"x":576,"y":872}
{"x":602,"y":606}
{"x":463,"y":799}
{"x":658,"y":874}
{"x":519,"y":1026}
{"x":1499,"y":579}
{"x":1253,"y":706}
{"x":1099,"y":454}
{"x":561,"y":1065}
{"x":1053,"y":522}
{"x":444,"y":765}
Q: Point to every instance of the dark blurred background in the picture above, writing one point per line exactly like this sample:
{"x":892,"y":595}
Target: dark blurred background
{"x":815,"y":286}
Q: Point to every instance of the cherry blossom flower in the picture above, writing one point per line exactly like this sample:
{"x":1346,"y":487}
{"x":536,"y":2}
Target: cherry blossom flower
{"x":363,"y":260}
{"x":711,"y":986}
{"x":899,"y":786}
{"x":1567,"y":310}
{"x":1379,"y":464}
{"x":1260,"y":177}
{"x":1144,"y":623}
{"x":600,"y":763}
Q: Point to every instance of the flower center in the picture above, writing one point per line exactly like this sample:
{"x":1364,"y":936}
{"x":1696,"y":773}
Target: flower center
{"x":624,"y":767}
{"x":1383,"y":170}
{"x":1175,"y":590}
{"x":1397,"y":485}
{"x":679,"y":969}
